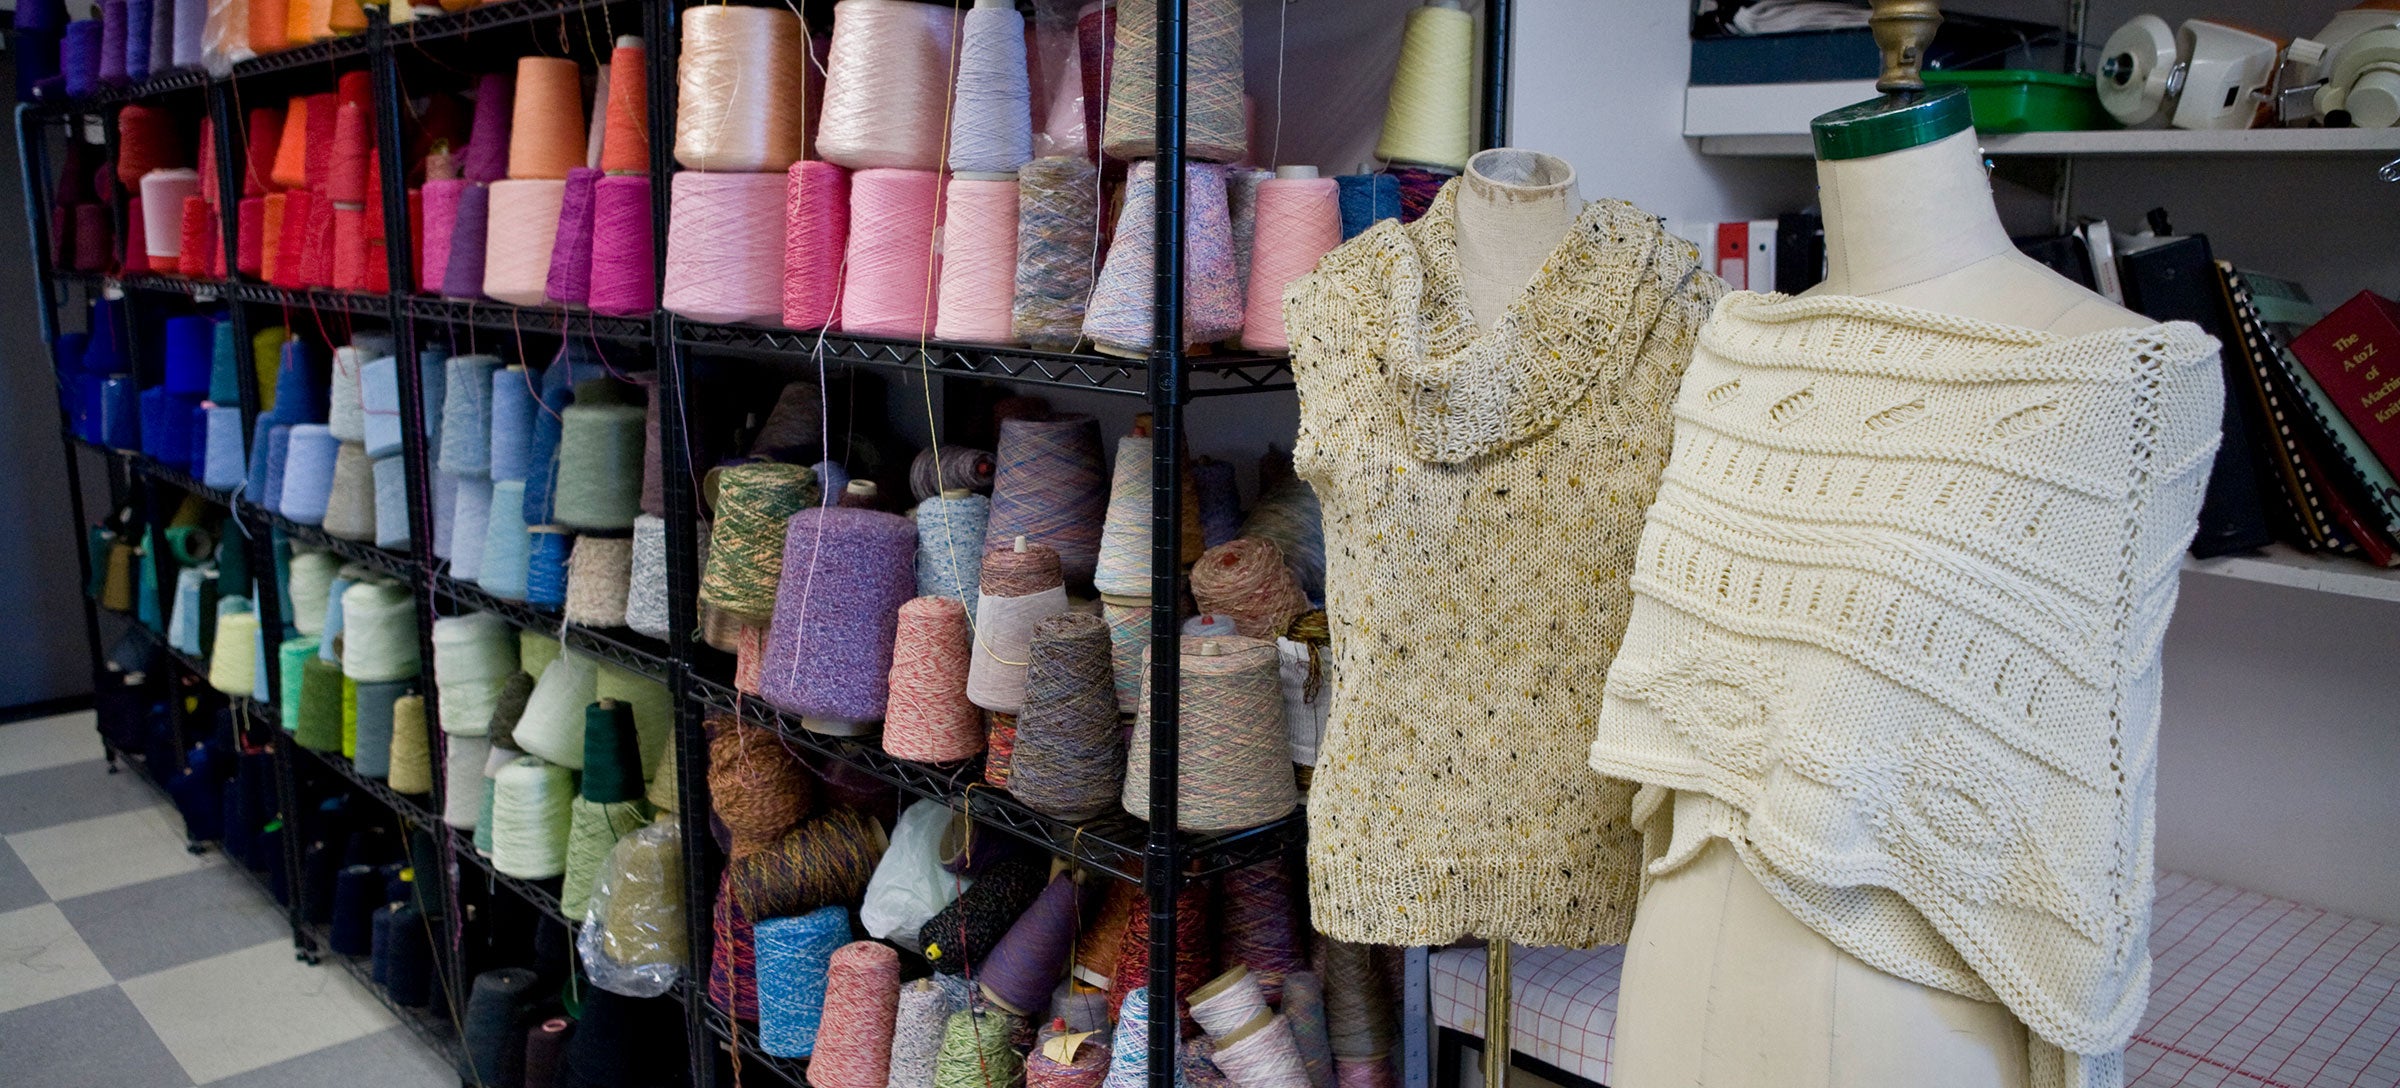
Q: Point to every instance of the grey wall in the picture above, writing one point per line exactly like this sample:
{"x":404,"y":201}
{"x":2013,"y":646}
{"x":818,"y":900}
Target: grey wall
{"x":42,"y":652}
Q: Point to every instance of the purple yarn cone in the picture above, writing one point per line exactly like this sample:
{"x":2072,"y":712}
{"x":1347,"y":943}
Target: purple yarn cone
{"x":1020,"y":971}
{"x":624,"y":275}
{"x":571,"y":252}
{"x":79,"y":57}
{"x":486,"y":157}
{"x":464,"y":277}
{"x":112,"y":41}
{"x":139,"y":21}
{"x":846,"y":572}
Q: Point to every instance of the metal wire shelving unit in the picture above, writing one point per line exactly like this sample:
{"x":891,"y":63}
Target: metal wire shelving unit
{"x":1166,"y":379}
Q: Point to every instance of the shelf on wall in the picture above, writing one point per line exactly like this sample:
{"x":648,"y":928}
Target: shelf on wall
{"x":2161,"y":142}
{"x":1113,"y":844}
{"x":1210,"y":375}
{"x":2283,"y":565}
{"x":620,"y":647}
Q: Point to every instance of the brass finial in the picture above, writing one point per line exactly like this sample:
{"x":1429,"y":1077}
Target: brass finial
{"x":1903,"y":28}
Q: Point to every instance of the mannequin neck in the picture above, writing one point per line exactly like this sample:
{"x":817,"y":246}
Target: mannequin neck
{"x":1514,"y":207}
{"x":1899,"y":219}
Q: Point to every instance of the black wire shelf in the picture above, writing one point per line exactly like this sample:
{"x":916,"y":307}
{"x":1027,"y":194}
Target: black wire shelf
{"x":538,"y":320}
{"x":540,"y":894}
{"x":425,"y":30}
{"x":393,"y":564}
{"x":328,"y":51}
{"x":1113,"y":844}
{"x":741,"y":1041}
{"x":617,"y":646}
{"x":304,"y":298}
{"x":115,"y":94}
{"x":410,"y":809}
{"x":1209,"y":375}
{"x":426,"y":1023}
{"x":184,"y":481}
{"x":103,"y":282}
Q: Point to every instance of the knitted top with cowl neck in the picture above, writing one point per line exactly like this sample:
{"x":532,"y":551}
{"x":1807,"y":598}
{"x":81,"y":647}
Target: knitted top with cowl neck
{"x":1896,"y":639}
{"x":1483,"y":490}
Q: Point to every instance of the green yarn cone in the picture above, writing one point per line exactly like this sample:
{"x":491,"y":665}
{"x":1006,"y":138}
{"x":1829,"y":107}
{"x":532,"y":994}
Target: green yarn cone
{"x":294,"y":656}
{"x":349,"y":718}
{"x":233,"y":566}
{"x":509,"y":707}
{"x":612,"y":754}
{"x":320,"y":725}
{"x":592,"y":832}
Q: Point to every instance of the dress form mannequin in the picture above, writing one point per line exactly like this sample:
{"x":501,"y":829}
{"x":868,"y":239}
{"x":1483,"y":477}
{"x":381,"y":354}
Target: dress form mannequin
{"x":1514,"y":207}
{"x":1722,"y":986}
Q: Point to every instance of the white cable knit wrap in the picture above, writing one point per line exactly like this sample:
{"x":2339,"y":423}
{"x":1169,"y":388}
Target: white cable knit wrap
{"x":1898,"y":613}
{"x":1482,"y":494}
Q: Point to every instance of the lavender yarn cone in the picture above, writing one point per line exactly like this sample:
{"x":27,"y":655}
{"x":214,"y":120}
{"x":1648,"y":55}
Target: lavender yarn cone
{"x":846,"y":572}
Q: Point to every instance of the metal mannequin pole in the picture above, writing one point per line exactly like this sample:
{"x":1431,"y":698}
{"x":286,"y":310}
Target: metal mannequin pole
{"x":1496,"y":1043}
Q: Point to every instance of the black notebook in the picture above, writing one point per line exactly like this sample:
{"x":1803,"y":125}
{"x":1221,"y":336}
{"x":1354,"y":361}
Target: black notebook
{"x":2176,"y":280}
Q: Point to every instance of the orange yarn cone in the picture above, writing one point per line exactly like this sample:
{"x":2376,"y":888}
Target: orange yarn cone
{"x":625,"y":145}
{"x":269,"y":26}
{"x":291,"y":150}
{"x":346,"y":17}
{"x":546,"y":134}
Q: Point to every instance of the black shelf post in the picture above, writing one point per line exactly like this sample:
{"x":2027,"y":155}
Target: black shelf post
{"x":33,"y":145}
{"x":1162,"y":869}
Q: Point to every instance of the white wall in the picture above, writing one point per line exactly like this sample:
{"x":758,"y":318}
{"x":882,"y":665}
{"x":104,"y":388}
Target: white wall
{"x":1600,"y":84}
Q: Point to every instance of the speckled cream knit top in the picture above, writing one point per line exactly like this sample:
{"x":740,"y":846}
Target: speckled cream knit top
{"x":1482,"y":492}
{"x":1896,"y":637}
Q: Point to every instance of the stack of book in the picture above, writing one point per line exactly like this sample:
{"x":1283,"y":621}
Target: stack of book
{"x":2312,"y":404}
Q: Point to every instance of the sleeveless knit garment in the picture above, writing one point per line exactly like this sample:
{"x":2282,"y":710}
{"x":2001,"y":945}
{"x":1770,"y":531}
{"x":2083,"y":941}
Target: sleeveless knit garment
{"x":1896,"y":640}
{"x":1483,"y":492}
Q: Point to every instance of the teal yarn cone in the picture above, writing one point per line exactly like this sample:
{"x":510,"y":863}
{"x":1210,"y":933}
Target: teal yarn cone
{"x":292,"y":661}
{"x":507,"y":542}
{"x":599,"y":461}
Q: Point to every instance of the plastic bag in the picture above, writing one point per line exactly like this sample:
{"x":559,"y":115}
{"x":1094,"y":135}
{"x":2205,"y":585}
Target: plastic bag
{"x":634,"y":940}
{"x":910,"y":886}
{"x":225,"y":36}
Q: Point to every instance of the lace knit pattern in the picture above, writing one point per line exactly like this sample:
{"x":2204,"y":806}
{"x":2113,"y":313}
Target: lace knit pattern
{"x":1898,"y":613}
{"x":1483,"y":493}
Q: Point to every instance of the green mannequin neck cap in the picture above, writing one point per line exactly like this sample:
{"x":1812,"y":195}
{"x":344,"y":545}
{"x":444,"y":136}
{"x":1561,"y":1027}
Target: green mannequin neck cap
{"x":1891,"y":123}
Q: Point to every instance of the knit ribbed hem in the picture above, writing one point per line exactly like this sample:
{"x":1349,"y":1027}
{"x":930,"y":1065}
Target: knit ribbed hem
{"x":1434,"y":901}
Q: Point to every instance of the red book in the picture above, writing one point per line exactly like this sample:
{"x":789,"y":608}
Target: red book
{"x":1733,"y":254}
{"x":2354,"y":353}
